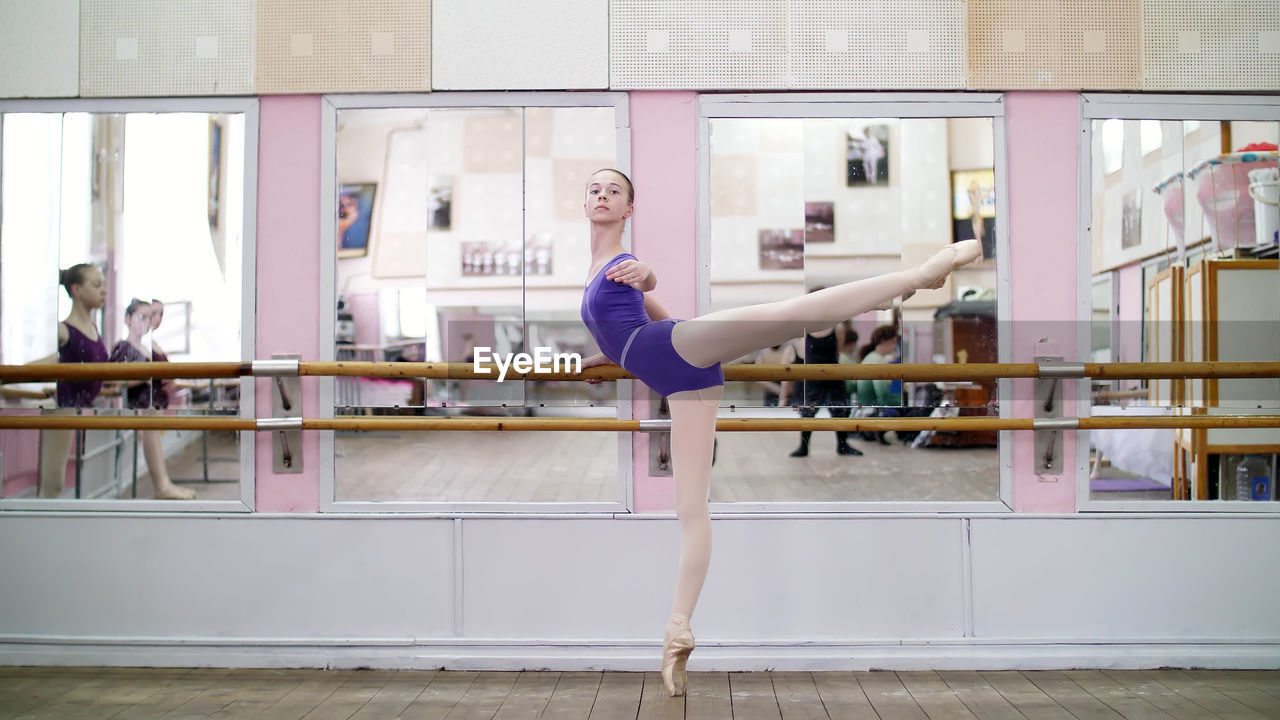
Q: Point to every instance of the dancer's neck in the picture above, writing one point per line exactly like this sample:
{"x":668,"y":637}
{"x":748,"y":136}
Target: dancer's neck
{"x":80,"y":316}
{"x":606,"y":242}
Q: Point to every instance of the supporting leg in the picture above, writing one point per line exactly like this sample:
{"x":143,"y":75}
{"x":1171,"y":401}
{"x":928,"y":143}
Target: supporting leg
{"x":55,"y":446}
{"x":693,"y":422}
{"x":154,"y":453}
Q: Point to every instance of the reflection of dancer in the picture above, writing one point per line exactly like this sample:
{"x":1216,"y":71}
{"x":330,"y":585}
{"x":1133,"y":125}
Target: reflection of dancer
{"x":147,"y":395}
{"x":820,"y":348}
{"x":681,"y":359}
{"x":78,"y":341}
{"x":872,"y":153}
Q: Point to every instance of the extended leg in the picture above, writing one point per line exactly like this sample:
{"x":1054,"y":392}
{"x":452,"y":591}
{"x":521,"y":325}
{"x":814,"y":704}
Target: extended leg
{"x":729,"y":334}
{"x":693,"y":423}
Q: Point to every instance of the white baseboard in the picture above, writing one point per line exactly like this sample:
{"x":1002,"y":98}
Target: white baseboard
{"x":631,"y":656}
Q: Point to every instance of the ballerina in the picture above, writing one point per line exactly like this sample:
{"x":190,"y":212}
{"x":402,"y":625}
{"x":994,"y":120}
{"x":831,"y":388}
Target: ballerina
{"x":681,"y":360}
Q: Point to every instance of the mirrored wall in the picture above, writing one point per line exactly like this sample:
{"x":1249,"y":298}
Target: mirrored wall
{"x":122,"y":239}
{"x":1182,"y":199}
{"x":797,"y":203}
{"x":461,"y":236}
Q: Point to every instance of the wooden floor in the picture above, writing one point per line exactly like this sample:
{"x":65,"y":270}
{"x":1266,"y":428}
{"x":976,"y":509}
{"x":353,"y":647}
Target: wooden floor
{"x":120,"y":693}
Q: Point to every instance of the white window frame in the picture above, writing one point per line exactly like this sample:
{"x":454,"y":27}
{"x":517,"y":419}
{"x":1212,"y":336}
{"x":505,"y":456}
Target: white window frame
{"x":248,"y":106}
{"x":331,"y":105}
{"x":871,"y":105}
{"x":1135,"y":106}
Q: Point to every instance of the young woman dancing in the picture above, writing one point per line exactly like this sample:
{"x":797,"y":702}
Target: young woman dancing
{"x":681,"y":360}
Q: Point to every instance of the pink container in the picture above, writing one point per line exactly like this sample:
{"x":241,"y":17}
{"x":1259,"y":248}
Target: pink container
{"x":1222,"y":189}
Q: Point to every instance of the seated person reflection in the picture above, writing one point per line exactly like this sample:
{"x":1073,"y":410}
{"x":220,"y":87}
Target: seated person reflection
{"x":78,"y":342}
{"x":147,"y":395}
{"x":882,"y":349}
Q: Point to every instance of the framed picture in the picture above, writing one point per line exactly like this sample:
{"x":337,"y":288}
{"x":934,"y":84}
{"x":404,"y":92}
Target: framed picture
{"x":174,"y":334}
{"x":215,"y":172}
{"x":355,"y":214}
{"x":867,"y":155}
{"x":781,"y":249}
{"x":1131,"y":219}
{"x":973,"y":207}
{"x":819,"y":222}
{"x":440,"y":202}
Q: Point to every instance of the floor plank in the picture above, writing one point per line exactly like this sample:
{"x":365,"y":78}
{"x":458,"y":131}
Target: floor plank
{"x":1071,"y":696}
{"x":1024,"y":696}
{"x":1154,"y":692}
{"x":889,"y":696}
{"x":619,"y":696}
{"x":983,"y":700}
{"x":573,"y":696}
{"x":482,"y":700}
{"x":440,"y":696}
{"x":655,"y":704}
{"x":26,"y":689}
{"x":1115,"y":696}
{"x":1204,"y":695}
{"x":708,"y":696}
{"x":752,"y":697}
{"x":842,"y":696}
{"x":313,"y":688}
{"x":933,"y":696}
{"x":399,"y":692}
{"x":528,"y":697}
{"x":1243,"y":689}
{"x":798,"y":697}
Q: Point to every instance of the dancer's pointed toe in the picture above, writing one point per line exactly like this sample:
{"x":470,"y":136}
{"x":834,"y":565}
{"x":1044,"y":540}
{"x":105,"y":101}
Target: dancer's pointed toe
{"x":676,"y":647}
{"x":932,"y":273}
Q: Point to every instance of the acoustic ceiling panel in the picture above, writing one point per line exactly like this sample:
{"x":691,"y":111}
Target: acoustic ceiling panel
{"x":1210,"y":45}
{"x":40,"y":48}
{"x":857,"y":44}
{"x":537,"y":45}
{"x":1054,"y":44}
{"x":712,"y":44}
{"x":343,"y":46}
{"x":166,"y":47}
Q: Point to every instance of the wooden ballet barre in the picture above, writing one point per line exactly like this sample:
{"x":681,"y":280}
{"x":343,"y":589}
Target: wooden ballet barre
{"x":108,"y":371}
{"x":523,"y":424}
{"x":1162,"y":370}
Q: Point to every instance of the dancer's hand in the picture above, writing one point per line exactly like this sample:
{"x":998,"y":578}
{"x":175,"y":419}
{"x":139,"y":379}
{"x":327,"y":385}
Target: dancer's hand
{"x":594,"y":361}
{"x":635,"y":273}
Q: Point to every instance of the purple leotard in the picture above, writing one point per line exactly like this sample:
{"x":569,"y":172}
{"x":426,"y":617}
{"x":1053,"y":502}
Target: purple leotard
{"x":79,"y":349}
{"x":146,"y":395}
{"x":614,"y":314}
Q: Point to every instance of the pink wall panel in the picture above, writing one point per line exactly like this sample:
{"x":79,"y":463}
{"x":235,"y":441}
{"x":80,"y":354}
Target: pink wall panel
{"x":664,"y":233}
{"x":288,"y":280}
{"x":1042,"y":129}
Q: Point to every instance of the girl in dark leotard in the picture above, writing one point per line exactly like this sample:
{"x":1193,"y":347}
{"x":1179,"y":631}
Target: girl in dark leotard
{"x":78,"y":341}
{"x":680,"y":359}
{"x":147,"y":395}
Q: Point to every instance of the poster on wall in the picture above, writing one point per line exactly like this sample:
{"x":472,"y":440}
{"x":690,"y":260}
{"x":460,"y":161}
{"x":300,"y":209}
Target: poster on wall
{"x":819,"y":222}
{"x":1131,"y":219}
{"x":973,"y":207}
{"x":867,"y":156}
{"x":355,"y":214}
{"x":781,"y":249}
{"x":440,"y":202}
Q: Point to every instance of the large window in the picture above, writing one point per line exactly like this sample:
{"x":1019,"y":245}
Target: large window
{"x":801,"y":193}
{"x":149,"y":212}
{"x":1179,"y":212}
{"x":459,"y":233}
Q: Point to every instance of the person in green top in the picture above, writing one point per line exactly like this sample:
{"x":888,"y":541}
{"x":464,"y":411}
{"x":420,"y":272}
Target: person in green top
{"x":881,"y":349}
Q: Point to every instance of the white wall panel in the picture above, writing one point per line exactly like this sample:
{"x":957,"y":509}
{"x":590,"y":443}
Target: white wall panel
{"x":166,"y":47}
{"x":229,"y":578}
{"x":1149,"y":579}
{"x":723,"y":44}
{"x":40,"y":48}
{"x":860,"y":44}
{"x":519,"y":45}
{"x":1210,"y":45}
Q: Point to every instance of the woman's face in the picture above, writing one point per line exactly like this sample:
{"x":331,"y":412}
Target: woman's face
{"x":140,"y":321}
{"x":607,"y":198}
{"x":93,"y":291}
{"x":157,"y":314}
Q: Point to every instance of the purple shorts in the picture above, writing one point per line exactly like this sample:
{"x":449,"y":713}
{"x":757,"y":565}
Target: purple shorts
{"x":650,"y":356}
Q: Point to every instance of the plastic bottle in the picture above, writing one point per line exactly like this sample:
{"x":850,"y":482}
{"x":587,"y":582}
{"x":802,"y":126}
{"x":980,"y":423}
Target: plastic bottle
{"x":1253,"y":478}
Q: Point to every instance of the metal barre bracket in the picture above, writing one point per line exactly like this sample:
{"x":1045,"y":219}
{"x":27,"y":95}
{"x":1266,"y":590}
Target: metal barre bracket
{"x":1057,"y":369}
{"x":287,"y":367}
{"x":1048,"y":421}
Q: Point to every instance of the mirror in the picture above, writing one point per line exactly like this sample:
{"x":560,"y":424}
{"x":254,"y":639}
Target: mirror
{"x":139,"y":216}
{"x":797,"y":204}
{"x":461,"y":238}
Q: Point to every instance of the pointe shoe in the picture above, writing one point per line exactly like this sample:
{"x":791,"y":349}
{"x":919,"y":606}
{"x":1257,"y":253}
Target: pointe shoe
{"x":676,"y":647}
{"x":173,"y":492}
{"x":932,"y":273}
